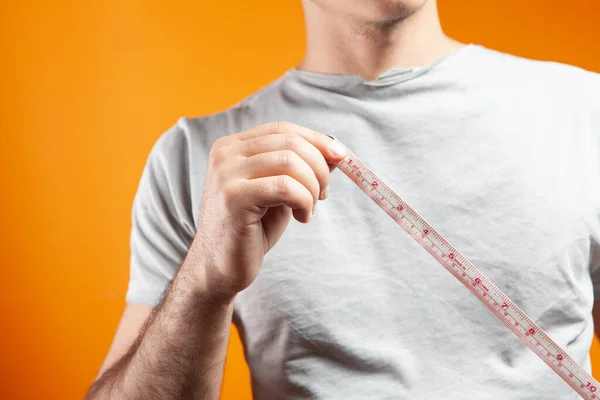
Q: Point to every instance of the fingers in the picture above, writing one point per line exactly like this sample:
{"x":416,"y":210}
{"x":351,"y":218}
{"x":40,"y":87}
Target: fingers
{"x":332,"y":150}
{"x":284,"y":162}
{"x":273,"y":191}
{"x":290,"y":143}
{"x":274,"y":164}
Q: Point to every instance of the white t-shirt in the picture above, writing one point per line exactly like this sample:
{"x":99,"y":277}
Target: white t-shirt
{"x":499,"y":153}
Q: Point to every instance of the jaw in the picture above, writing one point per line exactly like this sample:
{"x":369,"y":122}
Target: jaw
{"x":374,"y":13}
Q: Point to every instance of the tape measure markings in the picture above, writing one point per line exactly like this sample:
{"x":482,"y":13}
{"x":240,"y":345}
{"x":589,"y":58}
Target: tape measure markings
{"x":471,"y":277}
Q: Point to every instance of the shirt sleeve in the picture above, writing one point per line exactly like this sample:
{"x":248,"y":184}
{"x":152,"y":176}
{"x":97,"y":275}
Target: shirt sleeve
{"x":162,"y":223}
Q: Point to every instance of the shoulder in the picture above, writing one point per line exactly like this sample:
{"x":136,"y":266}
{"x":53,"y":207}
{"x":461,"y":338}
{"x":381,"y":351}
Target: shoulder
{"x":175,"y":167}
{"x":540,"y":69}
{"x":544,"y":76}
{"x":197,"y":134}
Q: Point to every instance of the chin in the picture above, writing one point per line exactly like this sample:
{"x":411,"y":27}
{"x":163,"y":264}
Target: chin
{"x":373,"y":11}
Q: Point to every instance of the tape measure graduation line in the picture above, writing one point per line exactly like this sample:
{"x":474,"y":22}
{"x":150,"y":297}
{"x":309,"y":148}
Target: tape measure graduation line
{"x":462,"y":269}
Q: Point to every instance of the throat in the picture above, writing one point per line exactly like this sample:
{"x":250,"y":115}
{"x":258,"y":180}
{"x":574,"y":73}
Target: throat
{"x":338,"y":44}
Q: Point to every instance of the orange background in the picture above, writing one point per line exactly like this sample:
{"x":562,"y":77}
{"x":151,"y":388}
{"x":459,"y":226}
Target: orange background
{"x":86,"y":89}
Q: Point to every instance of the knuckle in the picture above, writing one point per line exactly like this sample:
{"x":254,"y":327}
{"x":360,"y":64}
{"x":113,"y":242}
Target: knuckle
{"x":285,"y":158}
{"x":281,"y":127}
{"x":289,"y":140}
{"x":218,"y":143}
{"x":217,"y":155}
{"x":282,"y":185}
{"x":315,"y":137}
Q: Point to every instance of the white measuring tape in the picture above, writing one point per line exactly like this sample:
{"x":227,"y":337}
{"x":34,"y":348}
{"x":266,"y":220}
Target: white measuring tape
{"x":463,"y":270}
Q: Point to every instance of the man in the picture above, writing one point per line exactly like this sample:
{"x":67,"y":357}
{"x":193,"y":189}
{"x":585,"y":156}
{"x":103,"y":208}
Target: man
{"x":501,"y":154}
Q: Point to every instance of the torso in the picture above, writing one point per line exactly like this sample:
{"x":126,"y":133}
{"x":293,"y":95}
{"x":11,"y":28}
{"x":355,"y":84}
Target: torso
{"x":350,"y":307}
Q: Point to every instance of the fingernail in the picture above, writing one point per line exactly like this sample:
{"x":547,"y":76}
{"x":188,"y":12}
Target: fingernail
{"x":324,"y":193}
{"x":308,"y":218}
{"x":313,"y":210}
{"x":337,"y":148}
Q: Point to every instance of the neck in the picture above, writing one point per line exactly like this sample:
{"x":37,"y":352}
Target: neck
{"x":339,"y":44}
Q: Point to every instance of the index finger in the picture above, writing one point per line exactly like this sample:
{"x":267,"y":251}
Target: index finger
{"x":332,"y":150}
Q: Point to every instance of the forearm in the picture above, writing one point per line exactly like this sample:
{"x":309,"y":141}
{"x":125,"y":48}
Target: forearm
{"x":180,"y":352}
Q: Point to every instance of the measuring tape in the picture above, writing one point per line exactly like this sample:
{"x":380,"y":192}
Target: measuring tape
{"x":463,"y":270}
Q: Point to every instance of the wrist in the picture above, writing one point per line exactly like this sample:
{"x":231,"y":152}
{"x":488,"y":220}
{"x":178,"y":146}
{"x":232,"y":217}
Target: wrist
{"x":192,"y":279}
{"x":188,"y":300}
{"x":200,"y":277}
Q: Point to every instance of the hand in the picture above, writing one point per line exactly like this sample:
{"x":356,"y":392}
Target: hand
{"x":255,"y":181}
